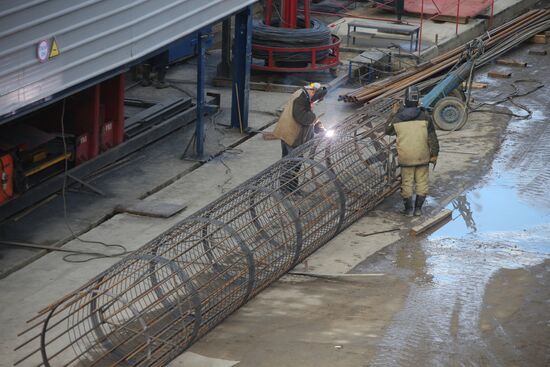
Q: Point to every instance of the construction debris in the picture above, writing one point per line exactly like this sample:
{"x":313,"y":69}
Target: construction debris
{"x":432,"y":223}
{"x":496,"y":42}
{"x":509,"y":62}
{"x":538,"y":52}
{"x":498,"y":74}
{"x":475,"y":85}
{"x":538,"y":39}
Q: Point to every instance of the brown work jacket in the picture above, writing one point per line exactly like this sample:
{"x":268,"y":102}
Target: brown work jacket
{"x":295,"y":125}
{"x":416,"y":137}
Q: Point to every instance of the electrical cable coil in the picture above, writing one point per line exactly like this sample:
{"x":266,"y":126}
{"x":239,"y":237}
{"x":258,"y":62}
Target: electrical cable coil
{"x":275,"y":36}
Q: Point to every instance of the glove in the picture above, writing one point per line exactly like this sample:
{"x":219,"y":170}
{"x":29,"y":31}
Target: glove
{"x":395,"y":107}
{"x":318,"y":128}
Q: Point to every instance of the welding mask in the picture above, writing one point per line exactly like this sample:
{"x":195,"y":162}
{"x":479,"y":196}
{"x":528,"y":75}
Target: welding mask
{"x":412,"y":96}
{"x":320,"y":93}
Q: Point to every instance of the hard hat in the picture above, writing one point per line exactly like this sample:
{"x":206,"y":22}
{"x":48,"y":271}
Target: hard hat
{"x":412,"y":96}
{"x":314,"y":86}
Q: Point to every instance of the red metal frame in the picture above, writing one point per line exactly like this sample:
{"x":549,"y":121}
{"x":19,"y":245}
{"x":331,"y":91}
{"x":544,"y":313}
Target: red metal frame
{"x":329,"y":62}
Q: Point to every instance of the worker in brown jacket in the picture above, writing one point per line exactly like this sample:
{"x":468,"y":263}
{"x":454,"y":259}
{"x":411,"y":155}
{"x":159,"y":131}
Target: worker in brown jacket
{"x":417,"y":147}
{"x":297,"y":125}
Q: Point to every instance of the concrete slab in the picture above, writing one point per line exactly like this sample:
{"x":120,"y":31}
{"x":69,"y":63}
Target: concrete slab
{"x":155,"y":209}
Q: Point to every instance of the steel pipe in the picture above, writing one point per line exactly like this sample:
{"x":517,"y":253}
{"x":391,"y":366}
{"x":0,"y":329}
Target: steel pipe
{"x":496,"y":42}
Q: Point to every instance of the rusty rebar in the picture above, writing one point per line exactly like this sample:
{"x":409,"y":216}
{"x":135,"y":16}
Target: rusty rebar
{"x":153,"y":304}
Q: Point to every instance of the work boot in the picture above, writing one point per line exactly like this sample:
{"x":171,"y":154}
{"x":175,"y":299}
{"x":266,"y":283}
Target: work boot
{"x":418,"y":205}
{"x":145,"y":75}
{"x":408,"y":211}
{"x":161,"y":79}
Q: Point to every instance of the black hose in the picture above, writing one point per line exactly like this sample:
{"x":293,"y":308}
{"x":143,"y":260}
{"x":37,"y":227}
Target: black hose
{"x":275,"y":36}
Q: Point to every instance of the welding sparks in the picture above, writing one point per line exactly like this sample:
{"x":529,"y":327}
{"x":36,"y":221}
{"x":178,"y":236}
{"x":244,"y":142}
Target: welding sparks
{"x":329,"y":133}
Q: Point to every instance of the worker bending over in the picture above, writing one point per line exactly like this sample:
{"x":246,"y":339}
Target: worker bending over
{"x":417,"y":147}
{"x":297,"y":125}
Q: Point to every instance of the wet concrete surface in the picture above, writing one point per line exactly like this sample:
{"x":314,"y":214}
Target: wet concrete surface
{"x":479,"y":286}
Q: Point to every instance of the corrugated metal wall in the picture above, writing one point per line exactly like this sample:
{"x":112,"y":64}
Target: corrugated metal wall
{"x":93,"y":37}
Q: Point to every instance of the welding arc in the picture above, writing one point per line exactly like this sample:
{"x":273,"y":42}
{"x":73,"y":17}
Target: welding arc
{"x":152,"y":305}
{"x":316,"y":35}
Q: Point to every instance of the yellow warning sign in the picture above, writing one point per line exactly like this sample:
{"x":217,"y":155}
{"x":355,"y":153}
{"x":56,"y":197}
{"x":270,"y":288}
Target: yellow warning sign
{"x":54,"y":49}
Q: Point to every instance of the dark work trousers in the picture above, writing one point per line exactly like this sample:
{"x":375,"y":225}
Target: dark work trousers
{"x":289,"y":180}
{"x":159,"y":63}
{"x":399,"y":8}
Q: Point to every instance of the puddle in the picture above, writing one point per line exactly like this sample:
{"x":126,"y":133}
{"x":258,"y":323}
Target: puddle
{"x":503,"y":223}
{"x":495,"y":212}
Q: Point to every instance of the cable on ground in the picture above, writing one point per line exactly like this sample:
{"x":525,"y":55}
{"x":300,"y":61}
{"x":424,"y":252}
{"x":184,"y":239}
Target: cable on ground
{"x":92,"y":255}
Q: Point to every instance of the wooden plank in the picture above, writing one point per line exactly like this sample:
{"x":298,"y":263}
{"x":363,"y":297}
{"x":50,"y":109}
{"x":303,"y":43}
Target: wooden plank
{"x":154,"y":209}
{"x":498,"y":74}
{"x":450,"y":19}
{"x":509,"y":62}
{"x":432,"y":223}
{"x":538,"y":52}
{"x":475,"y":85}
{"x":538,"y":39}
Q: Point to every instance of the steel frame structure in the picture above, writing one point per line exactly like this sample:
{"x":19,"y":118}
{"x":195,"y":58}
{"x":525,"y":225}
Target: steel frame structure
{"x":153,"y":304}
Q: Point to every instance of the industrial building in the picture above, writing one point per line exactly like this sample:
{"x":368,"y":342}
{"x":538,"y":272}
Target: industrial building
{"x":153,"y":211}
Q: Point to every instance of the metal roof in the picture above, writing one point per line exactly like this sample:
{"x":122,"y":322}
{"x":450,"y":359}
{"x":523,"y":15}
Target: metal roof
{"x":93,"y":38}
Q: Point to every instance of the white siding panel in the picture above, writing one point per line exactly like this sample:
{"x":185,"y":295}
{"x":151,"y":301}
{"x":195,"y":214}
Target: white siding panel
{"x":94,"y":37}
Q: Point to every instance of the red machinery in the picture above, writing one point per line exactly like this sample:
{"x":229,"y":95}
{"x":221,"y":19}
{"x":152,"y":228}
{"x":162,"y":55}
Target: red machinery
{"x":290,"y":19}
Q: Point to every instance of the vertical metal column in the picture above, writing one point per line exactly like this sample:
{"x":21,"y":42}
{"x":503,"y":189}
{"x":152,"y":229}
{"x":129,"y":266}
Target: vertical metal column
{"x":199,"y":125}
{"x":224,"y":67}
{"x":242,"y":58}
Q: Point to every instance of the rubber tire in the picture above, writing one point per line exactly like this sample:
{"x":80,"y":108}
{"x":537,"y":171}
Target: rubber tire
{"x":458,"y":106}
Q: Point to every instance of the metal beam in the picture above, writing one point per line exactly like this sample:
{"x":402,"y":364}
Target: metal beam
{"x":199,"y":124}
{"x":224,"y":67}
{"x":242,"y":58}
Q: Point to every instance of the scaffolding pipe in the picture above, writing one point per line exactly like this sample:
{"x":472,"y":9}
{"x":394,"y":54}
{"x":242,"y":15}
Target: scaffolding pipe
{"x":153,"y":304}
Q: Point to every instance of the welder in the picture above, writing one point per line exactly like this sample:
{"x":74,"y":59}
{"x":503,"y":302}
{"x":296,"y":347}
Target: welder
{"x":417,"y":147}
{"x":298,"y":124}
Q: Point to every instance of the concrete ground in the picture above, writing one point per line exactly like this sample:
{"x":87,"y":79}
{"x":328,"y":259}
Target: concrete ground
{"x":474,"y":293}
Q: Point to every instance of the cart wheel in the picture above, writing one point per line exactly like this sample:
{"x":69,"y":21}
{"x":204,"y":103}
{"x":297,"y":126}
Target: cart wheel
{"x":450,"y":114}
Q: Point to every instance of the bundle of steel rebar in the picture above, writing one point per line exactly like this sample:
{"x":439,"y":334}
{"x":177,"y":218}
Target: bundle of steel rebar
{"x":153,"y":304}
{"x":496,"y":42}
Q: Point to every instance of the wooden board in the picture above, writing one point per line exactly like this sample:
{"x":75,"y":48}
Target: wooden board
{"x":538,"y":39}
{"x":509,"y":62}
{"x":450,"y":19}
{"x":432,"y":223}
{"x":498,"y":74}
{"x":538,"y":52}
{"x":475,"y":85}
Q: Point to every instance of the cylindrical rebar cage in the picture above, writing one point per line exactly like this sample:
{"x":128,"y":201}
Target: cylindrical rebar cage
{"x":153,"y":304}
